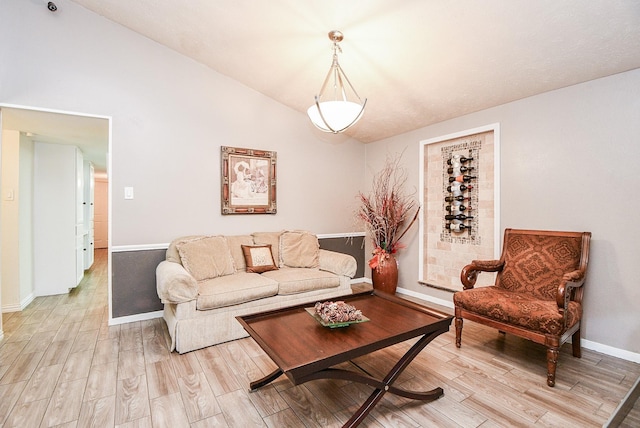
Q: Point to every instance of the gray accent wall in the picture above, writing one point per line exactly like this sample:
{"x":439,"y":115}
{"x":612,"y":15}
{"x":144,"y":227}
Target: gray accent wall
{"x":352,"y":245}
{"x":133,"y":287}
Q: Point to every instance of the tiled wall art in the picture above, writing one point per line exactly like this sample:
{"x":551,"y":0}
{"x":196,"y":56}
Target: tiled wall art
{"x":460,"y":196}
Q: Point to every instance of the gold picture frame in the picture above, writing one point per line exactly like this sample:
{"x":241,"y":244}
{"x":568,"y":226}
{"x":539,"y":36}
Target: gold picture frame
{"x":248,"y":181}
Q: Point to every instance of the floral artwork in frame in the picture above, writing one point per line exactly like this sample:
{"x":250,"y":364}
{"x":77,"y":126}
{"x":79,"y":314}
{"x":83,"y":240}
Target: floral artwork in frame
{"x":248,"y":181}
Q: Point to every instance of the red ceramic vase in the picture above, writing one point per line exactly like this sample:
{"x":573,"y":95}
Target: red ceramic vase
{"x":385,"y":275}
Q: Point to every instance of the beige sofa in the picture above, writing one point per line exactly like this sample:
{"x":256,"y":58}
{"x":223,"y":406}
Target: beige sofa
{"x":206,"y":281}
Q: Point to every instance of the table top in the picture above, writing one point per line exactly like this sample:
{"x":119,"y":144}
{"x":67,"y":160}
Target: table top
{"x":300,"y":345}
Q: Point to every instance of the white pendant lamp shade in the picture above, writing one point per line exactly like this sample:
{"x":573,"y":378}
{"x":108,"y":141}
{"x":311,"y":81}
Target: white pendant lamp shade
{"x":337,"y":106}
{"x":335,"y":116}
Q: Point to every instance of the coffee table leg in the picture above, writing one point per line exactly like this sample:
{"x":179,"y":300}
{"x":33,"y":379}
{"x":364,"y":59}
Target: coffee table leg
{"x":391,"y":377}
{"x":265,"y":380}
{"x":381,"y":387}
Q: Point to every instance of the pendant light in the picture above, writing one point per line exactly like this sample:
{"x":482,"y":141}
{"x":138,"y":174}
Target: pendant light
{"x":338,"y":106}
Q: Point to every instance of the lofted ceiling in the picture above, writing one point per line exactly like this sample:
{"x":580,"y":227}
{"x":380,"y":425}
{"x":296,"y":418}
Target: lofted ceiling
{"x":418,"y":62}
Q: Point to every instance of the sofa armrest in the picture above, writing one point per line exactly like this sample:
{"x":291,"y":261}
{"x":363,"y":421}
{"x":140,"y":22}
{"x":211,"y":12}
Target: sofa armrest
{"x":338,"y":263}
{"x":470,"y":272}
{"x":174,"y":284}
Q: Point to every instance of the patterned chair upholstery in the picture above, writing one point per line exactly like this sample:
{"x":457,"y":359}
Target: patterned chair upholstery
{"x":537,"y":293}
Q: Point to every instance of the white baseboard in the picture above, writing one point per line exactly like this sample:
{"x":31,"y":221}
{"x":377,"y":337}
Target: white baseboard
{"x":19,"y":307}
{"x":141,"y":247}
{"x":11,"y":308}
{"x":340,"y":235}
{"x":26,"y":301}
{"x":610,"y":350}
{"x":441,"y":302}
{"x":138,"y":317}
{"x":587,"y":344}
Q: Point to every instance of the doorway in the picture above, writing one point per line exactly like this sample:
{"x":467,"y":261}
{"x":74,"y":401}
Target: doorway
{"x":23,"y":129}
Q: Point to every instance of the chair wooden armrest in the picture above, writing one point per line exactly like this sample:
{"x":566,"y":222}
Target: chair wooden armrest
{"x":570,"y":281}
{"x":470,"y":272}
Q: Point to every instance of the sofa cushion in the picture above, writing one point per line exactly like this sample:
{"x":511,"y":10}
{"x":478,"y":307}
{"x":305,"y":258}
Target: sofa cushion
{"x":172,"y":251}
{"x":206,"y":257}
{"x":235,"y":243}
{"x":258,"y":258}
{"x":299,"y":249}
{"x":234,"y":289}
{"x":338,"y":263}
{"x":269,"y":238}
{"x":299,"y":280}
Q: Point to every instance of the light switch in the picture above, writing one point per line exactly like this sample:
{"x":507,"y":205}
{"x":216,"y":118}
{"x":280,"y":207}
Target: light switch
{"x":8,"y":195}
{"x":128,"y":192}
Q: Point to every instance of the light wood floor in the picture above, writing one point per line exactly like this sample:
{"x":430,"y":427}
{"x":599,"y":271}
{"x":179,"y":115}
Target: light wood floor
{"x":62,"y":365}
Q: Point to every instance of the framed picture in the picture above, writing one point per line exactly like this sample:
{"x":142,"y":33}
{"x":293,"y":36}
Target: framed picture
{"x":248,"y":181}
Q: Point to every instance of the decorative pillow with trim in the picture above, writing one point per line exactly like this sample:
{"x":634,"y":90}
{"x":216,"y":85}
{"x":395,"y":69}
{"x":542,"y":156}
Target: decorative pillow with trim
{"x":299,"y":249}
{"x":206,"y":257}
{"x":258,"y":258}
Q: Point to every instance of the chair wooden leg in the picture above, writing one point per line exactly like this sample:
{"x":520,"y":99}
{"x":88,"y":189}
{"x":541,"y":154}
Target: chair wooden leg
{"x":575,"y":344}
{"x":552,"y":362}
{"x":458,"y":331}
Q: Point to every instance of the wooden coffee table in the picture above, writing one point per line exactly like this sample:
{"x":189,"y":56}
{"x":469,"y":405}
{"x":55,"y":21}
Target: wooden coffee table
{"x":304,"y":350}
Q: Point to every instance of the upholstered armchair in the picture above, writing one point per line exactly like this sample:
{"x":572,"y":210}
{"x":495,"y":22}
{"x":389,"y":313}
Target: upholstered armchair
{"x":537,"y":293}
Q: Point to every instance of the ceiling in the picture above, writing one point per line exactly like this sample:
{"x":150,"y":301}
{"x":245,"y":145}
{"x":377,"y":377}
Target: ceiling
{"x":418,"y":62}
{"x":91,"y":134}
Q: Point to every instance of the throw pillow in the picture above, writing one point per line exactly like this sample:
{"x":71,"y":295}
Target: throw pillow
{"x":172,"y":252}
{"x":258,"y":258}
{"x":299,"y":249}
{"x":207,"y":257}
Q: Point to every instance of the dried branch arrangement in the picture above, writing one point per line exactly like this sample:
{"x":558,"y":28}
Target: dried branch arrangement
{"x":388,"y":212}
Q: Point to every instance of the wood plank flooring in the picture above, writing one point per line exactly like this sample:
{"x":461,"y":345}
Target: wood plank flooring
{"x":62,"y":365}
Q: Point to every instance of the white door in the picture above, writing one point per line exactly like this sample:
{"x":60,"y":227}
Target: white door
{"x":89,"y":192}
{"x":55,"y":219}
{"x":79,"y":216}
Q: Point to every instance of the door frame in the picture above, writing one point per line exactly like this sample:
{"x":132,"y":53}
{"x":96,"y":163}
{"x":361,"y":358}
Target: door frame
{"x":109,"y":120}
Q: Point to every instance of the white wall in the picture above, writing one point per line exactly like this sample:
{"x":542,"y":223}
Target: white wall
{"x":16,"y":227}
{"x":170,"y":117}
{"x":9,"y":214}
{"x":26,"y":220}
{"x":569,"y":162}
